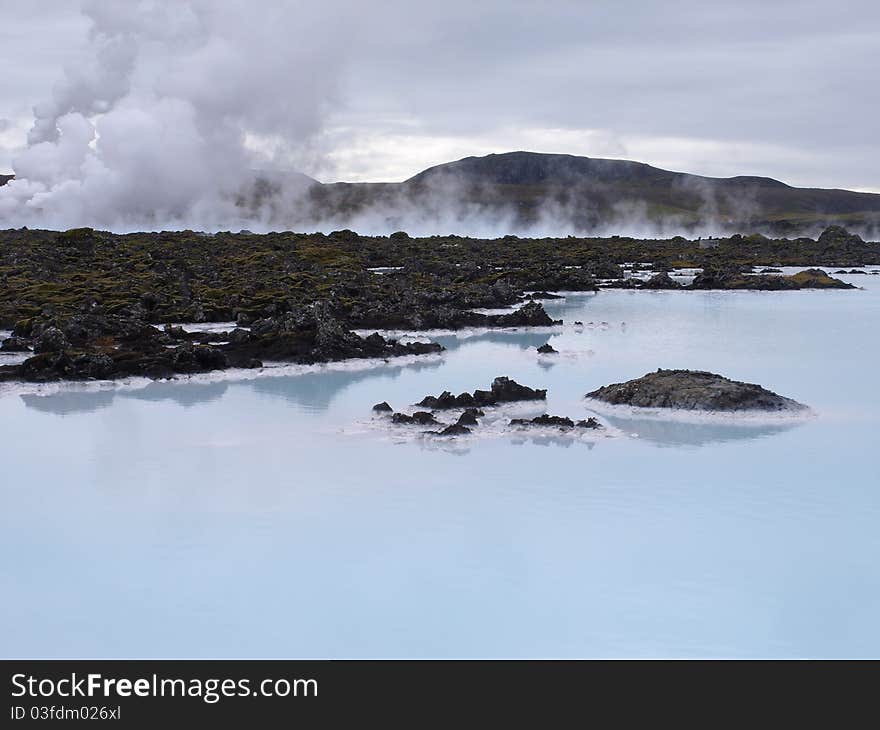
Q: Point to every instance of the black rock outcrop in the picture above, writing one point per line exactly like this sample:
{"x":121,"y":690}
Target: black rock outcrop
{"x":469,"y":417}
{"x":455,"y":429}
{"x":693,"y":390}
{"x":546,"y":420}
{"x":419,"y":418}
{"x":502,"y":390}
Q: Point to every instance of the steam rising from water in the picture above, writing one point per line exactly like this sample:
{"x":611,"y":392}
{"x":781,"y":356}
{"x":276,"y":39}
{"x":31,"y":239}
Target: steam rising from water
{"x":191,"y":114}
{"x":156,"y":129}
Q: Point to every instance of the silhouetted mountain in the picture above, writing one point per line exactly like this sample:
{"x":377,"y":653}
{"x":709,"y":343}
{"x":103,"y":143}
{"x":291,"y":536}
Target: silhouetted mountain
{"x":601,"y":192}
{"x":532,"y":168}
{"x":582,"y":194}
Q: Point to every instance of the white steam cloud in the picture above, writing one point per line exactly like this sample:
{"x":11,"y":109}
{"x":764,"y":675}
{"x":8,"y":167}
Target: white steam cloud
{"x":153,"y":130}
{"x":194,"y":114}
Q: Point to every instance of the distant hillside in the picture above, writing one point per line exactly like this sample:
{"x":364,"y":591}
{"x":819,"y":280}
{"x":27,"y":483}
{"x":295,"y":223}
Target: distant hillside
{"x":595,"y":193}
{"x":528,"y":193}
{"x":532,"y":168}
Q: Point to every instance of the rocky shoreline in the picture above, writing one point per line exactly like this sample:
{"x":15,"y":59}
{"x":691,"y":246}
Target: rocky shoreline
{"x":89,"y":305}
{"x":101,"y":347}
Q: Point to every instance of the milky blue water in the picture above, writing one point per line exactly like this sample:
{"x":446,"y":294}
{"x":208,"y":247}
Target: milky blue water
{"x":275,"y":517}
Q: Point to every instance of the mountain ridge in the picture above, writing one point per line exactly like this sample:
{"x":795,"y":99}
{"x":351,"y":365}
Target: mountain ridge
{"x":522,"y":190}
{"x":568,"y":167}
{"x":598,"y":194}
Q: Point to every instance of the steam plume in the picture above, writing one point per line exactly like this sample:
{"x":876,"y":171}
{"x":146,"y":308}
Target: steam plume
{"x":157,"y":128}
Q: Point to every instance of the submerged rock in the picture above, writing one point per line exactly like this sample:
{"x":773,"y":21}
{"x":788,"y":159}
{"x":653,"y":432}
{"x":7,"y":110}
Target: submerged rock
{"x":547,"y":349}
{"x":546,"y":420}
{"x":693,"y":390}
{"x":502,"y":390}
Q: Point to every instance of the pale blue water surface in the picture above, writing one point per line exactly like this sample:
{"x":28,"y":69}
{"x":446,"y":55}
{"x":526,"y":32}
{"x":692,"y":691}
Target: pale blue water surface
{"x":274,"y":517}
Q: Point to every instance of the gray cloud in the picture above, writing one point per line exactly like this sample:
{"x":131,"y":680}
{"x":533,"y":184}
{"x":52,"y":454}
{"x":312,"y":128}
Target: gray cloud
{"x":153,"y":111}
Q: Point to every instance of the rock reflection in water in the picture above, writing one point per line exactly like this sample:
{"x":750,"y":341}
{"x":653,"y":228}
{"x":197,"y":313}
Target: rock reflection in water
{"x":681,"y":433}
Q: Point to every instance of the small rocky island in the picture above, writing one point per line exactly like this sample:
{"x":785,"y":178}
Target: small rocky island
{"x":694,"y":390}
{"x":564,"y":422}
{"x":503,"y":390}
{"x":733,"y":277}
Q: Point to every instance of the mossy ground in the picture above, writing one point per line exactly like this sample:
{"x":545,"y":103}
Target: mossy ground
{"x":185,"y":275}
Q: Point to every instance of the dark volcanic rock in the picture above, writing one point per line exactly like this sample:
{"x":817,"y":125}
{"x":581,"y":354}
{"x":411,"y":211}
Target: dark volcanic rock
{"x":606,"y":270}
{"x":313,"y":335}
{"x":529,"y":315}
{"x":693,"y":390}
{"x":469,"y":417}
{"x":716,"y":278}
{"x":661,"y":281}
{"x":120,"y":346}
{"x":50,"y":339}
{"x":83,"y":329}
{"x":419,"y":418}
{"x":447,"y":400}
{"x":452,"y":311}
{"x":835,"y":236}
{"x":544,"y":420}
{"x":15,"y":344}
{"x":455,"y":429}
{"x":816,"y":279}
{"x":545,"y":278}
{"x":91,"y":366}
{"x":198,"y":359}
{"x":382,"y":407}
{"x":732,"y":278}
{"x":547,"y":349}
{"x":503,"y":390}
{"x":54,"y":366}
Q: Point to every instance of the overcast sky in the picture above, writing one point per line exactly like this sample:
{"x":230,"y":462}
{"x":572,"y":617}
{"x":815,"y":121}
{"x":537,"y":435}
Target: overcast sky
{"x":381,"y":90}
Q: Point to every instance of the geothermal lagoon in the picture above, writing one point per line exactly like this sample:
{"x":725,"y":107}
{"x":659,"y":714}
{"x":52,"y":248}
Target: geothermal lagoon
{"x":272,"y":514}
